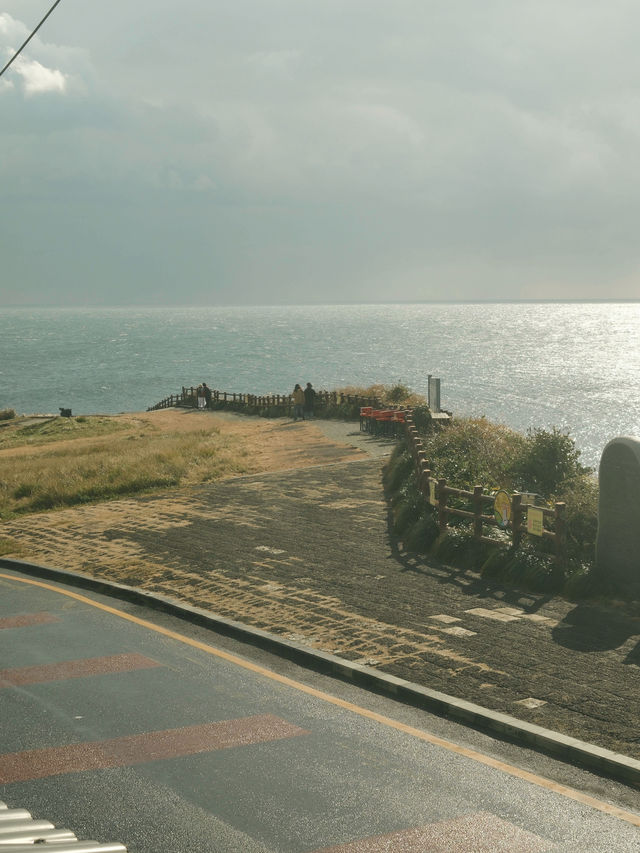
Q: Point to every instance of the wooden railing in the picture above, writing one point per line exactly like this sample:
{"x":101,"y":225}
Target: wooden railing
{"x":438,"y":493}
{"x":188,"y":398}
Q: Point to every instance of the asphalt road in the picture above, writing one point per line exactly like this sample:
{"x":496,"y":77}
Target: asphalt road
{"x":129,"y":725}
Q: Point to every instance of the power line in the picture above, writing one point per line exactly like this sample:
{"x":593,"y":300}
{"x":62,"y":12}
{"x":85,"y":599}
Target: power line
{"x":22,"y":46}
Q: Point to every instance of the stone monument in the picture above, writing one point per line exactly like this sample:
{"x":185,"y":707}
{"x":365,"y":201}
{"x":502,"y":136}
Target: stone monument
{"x":618,"y":543}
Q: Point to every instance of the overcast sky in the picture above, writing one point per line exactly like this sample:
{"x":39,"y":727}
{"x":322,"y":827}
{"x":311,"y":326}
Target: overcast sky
{"x":289,"y":151}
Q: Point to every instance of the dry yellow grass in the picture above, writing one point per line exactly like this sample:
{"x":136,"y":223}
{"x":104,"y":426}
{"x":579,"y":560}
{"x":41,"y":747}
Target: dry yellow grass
{"x":387,"y":394}
{"x":137,"y":454}
{"x":61,"y":462}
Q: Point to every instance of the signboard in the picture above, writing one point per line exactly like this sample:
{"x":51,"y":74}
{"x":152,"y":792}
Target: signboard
{"x":432,"y":493}
{"x":433,"y":391}
{"x":529,"y":498}
{"x":502,"y":508}
{"x":535,"y":521}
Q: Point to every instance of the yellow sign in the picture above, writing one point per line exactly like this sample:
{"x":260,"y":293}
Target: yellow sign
{"x":502,"y":508}
{"x":432,"y":493}
{"x":535,"y":521}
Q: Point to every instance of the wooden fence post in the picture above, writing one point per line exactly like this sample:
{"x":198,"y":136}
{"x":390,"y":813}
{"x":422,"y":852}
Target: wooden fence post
{"x":516,"y":520}
{"x":477,"y":512}
{"x":442,"y":505}
{"x":424,"y":477}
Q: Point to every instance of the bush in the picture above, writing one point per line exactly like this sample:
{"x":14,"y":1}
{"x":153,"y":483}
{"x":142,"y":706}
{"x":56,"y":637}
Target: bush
{"x":422,"y":418}
{"x":405,"y":514}
{"x":393,"y":395}
{"x":7,"y":414}
{"x":547,"y":463}
{"x":422,"y":534}
{"x":398,"y":393}
{"x":581,"y":497}
{"x":530,"y":567}
{"x":496,"y":562}
{"x":456,"y":546}
{"x":471,"y":451}
{"x":580,"y":582}
{"x":398,"y":469}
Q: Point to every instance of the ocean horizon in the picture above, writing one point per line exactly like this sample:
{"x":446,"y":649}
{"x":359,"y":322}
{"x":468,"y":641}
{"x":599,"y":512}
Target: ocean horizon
{"x":573,"y":365}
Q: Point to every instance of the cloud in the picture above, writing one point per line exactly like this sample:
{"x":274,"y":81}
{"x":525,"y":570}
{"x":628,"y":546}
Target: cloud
{"x":43,"y":67}
{"x":369,"y":145}
{"x":38,"y":79}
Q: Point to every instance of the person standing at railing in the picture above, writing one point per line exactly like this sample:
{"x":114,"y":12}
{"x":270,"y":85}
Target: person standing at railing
{"x":201,"y":398}
{"x":298,"y":402}
{"x":207,"y":395}
{"x":309,"y":400}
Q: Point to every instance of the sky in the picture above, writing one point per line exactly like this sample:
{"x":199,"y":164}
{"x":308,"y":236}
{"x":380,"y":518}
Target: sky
{"x":210,"y":152}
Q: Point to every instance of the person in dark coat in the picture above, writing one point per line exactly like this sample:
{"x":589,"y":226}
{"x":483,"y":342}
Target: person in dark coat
{"x":309,"y":400}
{"x":298,"y":402}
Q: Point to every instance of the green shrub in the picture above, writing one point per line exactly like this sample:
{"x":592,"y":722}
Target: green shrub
{"x":398,"y":393}
{"x":393,"y":395}
{"x":24,"y":490}
{"x":398,"y":469}
{"x":531,"y":568}
{"x":473,"y":451}
{"x":422,"y":419}
{"x":547,"y":462}
{"x":405,"y":514}
{"x":422,"y":534}
{"x":7,"y":414}
{"x":496,"y":562}
{"x":580,"y":582}
{"x":339,"y":411}
{"x":581,"y":497}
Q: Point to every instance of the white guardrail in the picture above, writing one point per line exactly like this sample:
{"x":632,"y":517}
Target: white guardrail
{"x":19,"y":832}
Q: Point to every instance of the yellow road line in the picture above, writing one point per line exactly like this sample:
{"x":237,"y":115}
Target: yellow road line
{"x":533,"y":778}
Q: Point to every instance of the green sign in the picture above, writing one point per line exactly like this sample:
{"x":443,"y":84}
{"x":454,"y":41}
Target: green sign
{"x":535,"y":521}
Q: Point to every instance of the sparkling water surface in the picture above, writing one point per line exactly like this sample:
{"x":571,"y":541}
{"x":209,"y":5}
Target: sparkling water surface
{"x":572,"y":365}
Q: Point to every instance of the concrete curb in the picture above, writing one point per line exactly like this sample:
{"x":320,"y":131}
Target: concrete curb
{"x":567,"y":749}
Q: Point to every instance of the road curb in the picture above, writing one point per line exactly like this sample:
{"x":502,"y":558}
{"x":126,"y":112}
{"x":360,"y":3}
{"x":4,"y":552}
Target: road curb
{"x":567,"y":749}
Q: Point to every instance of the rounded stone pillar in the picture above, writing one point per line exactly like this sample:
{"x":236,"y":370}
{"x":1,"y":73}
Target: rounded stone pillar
{"x":618,"y":543}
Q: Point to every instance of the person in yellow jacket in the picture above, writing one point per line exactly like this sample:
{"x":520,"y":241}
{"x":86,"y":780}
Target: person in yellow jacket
{"x":298,"y":402}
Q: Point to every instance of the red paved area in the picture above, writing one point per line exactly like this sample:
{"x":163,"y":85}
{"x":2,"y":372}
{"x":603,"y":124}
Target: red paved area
{"x":474,"y":833}
{"x":74,"y":669}
{"x":26,"y":619}
{"x":138,"y":749}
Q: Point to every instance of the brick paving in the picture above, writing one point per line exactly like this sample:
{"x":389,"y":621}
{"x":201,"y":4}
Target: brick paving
{"x":308,"y":554}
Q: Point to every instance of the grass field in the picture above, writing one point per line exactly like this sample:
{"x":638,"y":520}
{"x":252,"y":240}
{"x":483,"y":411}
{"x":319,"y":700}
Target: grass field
{"x":57,"y":462}
{"x":31,"y":431}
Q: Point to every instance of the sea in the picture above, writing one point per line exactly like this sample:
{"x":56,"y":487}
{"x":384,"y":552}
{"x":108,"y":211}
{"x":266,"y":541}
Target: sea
{"x":574,"y":366}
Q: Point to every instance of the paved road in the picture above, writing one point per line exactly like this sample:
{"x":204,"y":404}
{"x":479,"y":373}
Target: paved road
{"x":134,"y":726}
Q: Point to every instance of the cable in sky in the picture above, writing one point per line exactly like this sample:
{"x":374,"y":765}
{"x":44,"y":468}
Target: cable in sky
{"x":22,"y":46}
